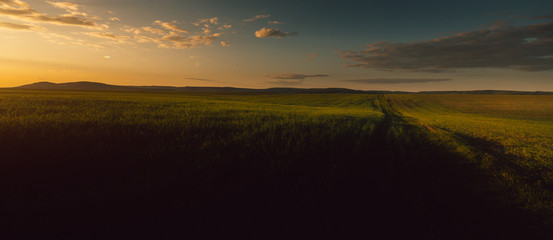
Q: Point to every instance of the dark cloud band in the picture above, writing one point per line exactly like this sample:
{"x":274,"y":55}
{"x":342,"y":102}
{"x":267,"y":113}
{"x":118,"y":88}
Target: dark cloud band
{"x":525,"y":48}
{"x":395,"y":80}
{"x":200,"y":79}
{"x":295,"y":76}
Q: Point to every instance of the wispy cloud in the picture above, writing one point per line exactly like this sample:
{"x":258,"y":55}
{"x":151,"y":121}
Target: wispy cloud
{"x":200,"y":79}
{"x":272,"y":32}
{"x":291,"y":79}
{"x":525,"y":48}
{"x":22,"y":10}
{"x":16,"y":3}
{"x":181,"y":42}
{"x":107,"y":35}
{"x":170,"y":26}
{"x":395,"y":80}
{"x":295,"y":76}
{"x":169,"y":35}
{"x":146,"y":39}
{"x":292,"y":82}
{"x":23,"y":27}
{"x":225,"y":26}
{"x":275,"y":22}
{"x":73,"y":8}
{"x":165,"y":34}
{"x":68,"y":40}
{"x":207,"y":21}
{"x":256,"y":18}
{"x":153,"y":30}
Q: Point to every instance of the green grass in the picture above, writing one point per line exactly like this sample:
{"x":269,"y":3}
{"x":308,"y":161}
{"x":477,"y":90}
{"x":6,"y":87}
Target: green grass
{"x":510,"y":136}
{"x":160,"y":165}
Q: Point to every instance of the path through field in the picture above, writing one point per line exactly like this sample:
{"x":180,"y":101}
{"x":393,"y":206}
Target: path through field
{"x":117,"y":165}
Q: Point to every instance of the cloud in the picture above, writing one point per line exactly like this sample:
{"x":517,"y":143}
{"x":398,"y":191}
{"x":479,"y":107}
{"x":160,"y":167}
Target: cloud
{"x":290,"y":79}
{"x":65,"y":20}
{"x":22,"y":10}
{"x":65,"y":5}
{"x":67,"y":40}
{"x":272,"y":32}
{"x":207,"y":22}
{"x":256,"y":18}
{"x":395,"y":80}
{"x":146,"y":39}
{"x":170,"y":26}
{"x":200,"y":79}
{"x":22,"y":27}
{"x":214,"y":21}
{"x":295,"y":76}
{"x":107,"y":35}
{"x":524,"y":48}
{"x":288,"y":82}
{"x":225,"y":26}
{"x":275,"y":22}
{"x":169,"y":35}
{"x":163,"y":34}
{"x":182,"y":42}
{"x":153,"y":30}
{"x":17,"y":3}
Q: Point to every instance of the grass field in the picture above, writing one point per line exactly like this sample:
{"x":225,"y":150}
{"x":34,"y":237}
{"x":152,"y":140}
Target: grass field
{"x":147,"y":165}
{"x":509,"y":136}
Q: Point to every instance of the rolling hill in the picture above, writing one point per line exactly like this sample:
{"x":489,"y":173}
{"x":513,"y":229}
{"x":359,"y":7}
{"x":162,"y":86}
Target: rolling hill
{"x":94,"y":86}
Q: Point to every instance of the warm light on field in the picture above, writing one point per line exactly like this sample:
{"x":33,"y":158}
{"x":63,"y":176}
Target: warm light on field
{"x":194,"y":119}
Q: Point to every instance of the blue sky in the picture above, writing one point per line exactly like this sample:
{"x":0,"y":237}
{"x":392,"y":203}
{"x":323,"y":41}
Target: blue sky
{"x":424,"y":45}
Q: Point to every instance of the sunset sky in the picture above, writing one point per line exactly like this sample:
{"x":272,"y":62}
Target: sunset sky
{"x":367,"y":45}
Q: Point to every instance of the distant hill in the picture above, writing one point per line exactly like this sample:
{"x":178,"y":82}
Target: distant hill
{"x":70,"y":86}
{"x":91,"y":86}
{"x":488,"y":92}
{"x":103,"y":86}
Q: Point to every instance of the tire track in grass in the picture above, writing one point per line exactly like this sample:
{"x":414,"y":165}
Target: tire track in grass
{"x":454,"y":198}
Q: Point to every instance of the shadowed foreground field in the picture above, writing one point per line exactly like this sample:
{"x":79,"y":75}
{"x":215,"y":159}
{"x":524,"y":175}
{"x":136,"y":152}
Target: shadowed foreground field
{"x":123,"y":165}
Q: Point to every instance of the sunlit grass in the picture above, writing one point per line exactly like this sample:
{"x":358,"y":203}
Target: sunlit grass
{"x":322,"y":162}
{"x":512,"y":136}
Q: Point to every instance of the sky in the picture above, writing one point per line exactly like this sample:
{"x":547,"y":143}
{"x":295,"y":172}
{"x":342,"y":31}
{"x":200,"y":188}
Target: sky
{"x":366,"y":45}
